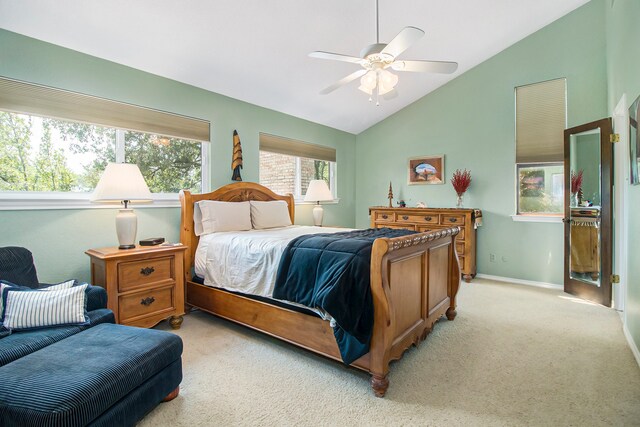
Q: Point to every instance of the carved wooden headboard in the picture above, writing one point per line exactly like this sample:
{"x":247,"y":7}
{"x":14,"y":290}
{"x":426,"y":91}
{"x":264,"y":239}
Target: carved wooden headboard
{"x":236,"y":192}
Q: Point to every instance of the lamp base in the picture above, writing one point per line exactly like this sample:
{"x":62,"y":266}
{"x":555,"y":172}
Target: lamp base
{"x":318,"y":213}
{"x":126,"y":228}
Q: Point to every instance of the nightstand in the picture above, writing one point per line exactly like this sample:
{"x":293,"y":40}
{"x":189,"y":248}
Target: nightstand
{"x":145,"y":285}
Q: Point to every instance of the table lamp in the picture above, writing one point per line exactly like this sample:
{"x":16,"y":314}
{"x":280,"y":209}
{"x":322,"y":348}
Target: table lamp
{"x":123,"y":183}
{"x":318,"y":191}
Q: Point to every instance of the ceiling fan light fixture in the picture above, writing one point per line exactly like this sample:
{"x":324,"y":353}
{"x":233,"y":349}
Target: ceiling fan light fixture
{"x":369,"y":81}
{"x":387,"y":81}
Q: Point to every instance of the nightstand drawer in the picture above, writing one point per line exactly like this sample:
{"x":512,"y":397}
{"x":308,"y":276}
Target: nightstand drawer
{"x":134,"y":274}
{"x":145,"y":303}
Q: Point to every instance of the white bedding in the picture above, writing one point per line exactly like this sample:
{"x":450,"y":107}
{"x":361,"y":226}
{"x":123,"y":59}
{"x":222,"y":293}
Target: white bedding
{"x":247,"y":261}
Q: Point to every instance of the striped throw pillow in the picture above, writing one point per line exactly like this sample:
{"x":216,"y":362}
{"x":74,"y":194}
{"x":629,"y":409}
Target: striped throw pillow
{"x":27,"y":309}
{"x":4,"y":284}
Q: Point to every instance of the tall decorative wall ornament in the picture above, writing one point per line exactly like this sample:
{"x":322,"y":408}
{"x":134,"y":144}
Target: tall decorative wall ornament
{"x":390,"y":196}
{"x":236,"y":163}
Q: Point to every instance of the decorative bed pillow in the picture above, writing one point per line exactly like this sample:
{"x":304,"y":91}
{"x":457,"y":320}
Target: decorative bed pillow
{"x":270,"y":214}
{"x":216,"y":216}
{"x":38,"y":308}
{"x":6,"y":284}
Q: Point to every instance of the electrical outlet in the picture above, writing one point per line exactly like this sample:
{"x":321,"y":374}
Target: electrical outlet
{"x":492,"y":257}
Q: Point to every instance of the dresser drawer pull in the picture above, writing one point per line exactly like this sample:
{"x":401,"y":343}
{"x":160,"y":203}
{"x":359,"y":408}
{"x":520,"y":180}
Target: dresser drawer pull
{"x":405,"y":217}
{"x":427,"y":218}
{"x":453,"y":219}
{"x":385,"y":216}
{"x":147,"y":301}
{"x":147,"y":271}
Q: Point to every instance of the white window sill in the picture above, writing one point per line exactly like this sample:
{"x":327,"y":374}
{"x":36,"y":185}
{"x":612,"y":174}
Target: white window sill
{"x":536,"y":218}
{"x":17,"y":201}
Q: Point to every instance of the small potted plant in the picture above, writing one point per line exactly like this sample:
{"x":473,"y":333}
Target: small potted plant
{"x":461,"y":181}
{"x":576,"y":187}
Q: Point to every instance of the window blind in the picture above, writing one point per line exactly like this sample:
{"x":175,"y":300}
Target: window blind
{"x":29,"y":98}
{"x":292,"y":147}
{"x":540,"y":122}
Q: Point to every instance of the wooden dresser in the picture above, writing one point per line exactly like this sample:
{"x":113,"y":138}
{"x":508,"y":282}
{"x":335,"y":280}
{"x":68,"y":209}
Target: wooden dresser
{"x":427,"y":219}
{"x":144,"y":285}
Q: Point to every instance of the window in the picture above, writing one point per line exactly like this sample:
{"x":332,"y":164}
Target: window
{"x":287,"y":166}
{"x":540,"y":124}
{"x":62,"y":158}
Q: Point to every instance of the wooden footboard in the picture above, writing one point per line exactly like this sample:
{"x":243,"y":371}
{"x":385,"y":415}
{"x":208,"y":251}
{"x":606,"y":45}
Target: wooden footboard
{"x":414,"y":281}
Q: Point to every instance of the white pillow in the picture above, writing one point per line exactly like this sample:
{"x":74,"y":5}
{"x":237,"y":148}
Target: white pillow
{"x":221,"y":216}
{"x":270,"y":214}
{"x":26,"y":309}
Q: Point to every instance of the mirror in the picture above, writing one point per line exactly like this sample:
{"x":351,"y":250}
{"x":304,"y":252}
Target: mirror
{"x":585,"y":236}
{"x":634,"y":141}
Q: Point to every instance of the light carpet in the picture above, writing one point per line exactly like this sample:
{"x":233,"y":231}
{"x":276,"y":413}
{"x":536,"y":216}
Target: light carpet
{"x":515,"y":355}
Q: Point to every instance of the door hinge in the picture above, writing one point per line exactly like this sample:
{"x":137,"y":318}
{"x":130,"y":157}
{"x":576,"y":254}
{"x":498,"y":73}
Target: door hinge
{"x":615,"y":278}
{"x":614,"y":137}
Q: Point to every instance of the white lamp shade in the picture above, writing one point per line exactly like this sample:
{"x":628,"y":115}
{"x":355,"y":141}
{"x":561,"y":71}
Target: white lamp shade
{"x":121,"y":181}
{"x":318,"y":191}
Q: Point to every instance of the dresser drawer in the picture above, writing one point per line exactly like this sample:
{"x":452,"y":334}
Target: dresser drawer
{"x":447,"y":219}
{"x":460,"y":248}
{"x":145,"y":303}
{"x":399,"y":226}
{"x":385,"y":216}
{"x":421,"y":219}
{"x":134,"y":274}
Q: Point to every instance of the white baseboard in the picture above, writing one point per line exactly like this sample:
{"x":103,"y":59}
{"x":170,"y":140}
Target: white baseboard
{"x":632,"y":344}
{"x":520,"y":281}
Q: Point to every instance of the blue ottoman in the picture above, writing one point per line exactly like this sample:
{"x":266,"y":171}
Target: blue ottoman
{"x":108,"y":375}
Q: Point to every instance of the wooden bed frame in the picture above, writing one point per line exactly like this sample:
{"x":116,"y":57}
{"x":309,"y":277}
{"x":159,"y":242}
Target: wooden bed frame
{"x":414,"y":281}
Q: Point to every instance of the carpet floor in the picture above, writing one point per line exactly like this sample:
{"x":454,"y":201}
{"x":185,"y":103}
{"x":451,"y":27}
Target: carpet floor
{"x":515,"y":355}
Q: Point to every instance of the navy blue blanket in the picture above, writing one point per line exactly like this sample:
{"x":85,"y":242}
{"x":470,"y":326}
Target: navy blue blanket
{"x":331,"y":271}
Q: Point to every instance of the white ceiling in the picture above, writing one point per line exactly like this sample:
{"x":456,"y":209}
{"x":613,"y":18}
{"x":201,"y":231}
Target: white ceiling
{"x":256,"y":50}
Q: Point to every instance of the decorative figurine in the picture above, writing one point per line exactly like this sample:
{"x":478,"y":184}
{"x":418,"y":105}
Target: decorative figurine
{"x":236,"y":163}
{"x":421,"y":205}
{"x":390,"y":196}
{"x":402,"y":204}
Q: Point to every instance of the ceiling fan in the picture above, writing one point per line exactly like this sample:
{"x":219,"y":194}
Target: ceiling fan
{"x":376,"y":59}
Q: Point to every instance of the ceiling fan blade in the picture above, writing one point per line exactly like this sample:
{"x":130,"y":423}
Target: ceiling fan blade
{"x":425,"y":66}
{"x":403,"y":40}
{"x":335,"y":57}
{"x":351,"y":77}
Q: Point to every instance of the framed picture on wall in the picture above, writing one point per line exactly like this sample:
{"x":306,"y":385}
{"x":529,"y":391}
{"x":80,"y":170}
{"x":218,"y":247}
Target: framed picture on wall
{"x":426,"y":170}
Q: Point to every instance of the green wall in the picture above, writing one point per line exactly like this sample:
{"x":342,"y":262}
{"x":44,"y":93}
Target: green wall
{"x":471,"y":121}
{"x":623,"y":60}
{"x":59,"y":238}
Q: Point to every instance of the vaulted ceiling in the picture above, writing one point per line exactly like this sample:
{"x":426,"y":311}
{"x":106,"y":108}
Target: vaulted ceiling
{"x":257,"y":51}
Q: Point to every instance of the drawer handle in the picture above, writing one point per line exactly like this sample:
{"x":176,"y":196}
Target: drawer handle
{"x":147,"y":301}
{"x":147,"y":271}
{"x":385,"y":216}
{"x":427,"y":218}
{"x":453,"y":219}
{"x":405,"y":217}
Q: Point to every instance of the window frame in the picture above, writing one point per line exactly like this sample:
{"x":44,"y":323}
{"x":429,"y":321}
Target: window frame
{"x":298,"y":197}
{"x":532,"y":216}
{"x":55,"y":200}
